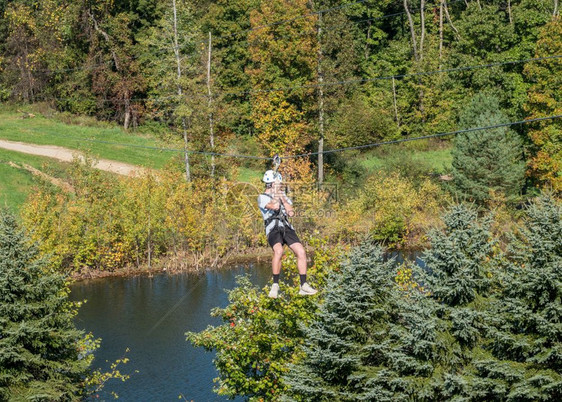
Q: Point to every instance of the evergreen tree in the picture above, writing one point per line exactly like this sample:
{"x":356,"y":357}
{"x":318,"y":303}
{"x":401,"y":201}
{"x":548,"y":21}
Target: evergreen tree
{"x":368,"y":342}
{"x":489,"y":160}
{"x":40,"y":356}
{"x":458,"y":266}
{"x":528,"y":334}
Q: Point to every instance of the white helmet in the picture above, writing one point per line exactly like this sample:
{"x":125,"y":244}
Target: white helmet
{"x":270,"y":176}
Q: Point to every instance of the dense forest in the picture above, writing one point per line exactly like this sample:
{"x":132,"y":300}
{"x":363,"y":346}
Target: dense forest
{"x":291,"y":75}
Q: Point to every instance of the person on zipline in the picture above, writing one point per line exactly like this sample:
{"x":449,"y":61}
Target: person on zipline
{"x":275,"y":207}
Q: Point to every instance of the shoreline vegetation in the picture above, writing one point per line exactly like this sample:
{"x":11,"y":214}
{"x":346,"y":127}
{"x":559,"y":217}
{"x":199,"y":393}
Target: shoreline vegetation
{"x":166,"y":267}
{"x":107,"y":225}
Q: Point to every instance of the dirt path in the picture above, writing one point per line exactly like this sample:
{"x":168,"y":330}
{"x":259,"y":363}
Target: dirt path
{"x":67,"y":155}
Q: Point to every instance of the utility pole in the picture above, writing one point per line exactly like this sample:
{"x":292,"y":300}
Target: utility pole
{"x":180,"y":93}
{"x":320,"y":105}
{"x":210,"y":105}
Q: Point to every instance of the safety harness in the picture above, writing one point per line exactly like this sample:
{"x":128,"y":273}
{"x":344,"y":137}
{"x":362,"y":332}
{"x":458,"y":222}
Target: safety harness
{"x":279,"y":216}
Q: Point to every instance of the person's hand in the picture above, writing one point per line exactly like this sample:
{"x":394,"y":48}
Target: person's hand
{"x":278,"y":190}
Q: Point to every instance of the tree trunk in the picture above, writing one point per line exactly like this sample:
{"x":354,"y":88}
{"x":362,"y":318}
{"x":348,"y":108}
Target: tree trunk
{"x":422,"y":19}
{"x":127,"y":119}
{"x":320,"y":105}
{"x":509,"y":12}
{"x":210,"y":105}
{"x":412,"y":31}
{"x":186,"y":149}
{"x":449,"y":19}
{"x":180,"y":93}
{"x":555,"y":11}
{"x":127,"y":103}
{"x":107,"y":39}
{"x":367,"y":42}
{"x":440,"y":32}
{"x":149,"y":246}
{"x":395,"y":104}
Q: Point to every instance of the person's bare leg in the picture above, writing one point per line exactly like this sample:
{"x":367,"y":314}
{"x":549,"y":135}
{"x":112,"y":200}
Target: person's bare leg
{"x":276,"y":261}
{"x":300,"y":253}
{"x":276,"y":269}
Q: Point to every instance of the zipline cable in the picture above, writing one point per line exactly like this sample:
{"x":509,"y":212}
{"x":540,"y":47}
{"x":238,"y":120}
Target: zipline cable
{"x":424,"y":137}
{"x":329,"y":151}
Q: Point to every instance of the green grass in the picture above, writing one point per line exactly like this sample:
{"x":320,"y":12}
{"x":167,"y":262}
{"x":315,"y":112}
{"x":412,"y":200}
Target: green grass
{"x":248,"y":174}
{"x":16,"y":184}
{"x":48,"y":131}
{"x":438,"y":160}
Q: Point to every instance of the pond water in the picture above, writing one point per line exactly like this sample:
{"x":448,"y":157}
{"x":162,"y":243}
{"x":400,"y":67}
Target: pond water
{"x":149,"y":316}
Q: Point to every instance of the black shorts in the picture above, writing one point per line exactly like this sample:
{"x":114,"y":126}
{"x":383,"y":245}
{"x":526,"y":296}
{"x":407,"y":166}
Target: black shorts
{"x":282,"y":235}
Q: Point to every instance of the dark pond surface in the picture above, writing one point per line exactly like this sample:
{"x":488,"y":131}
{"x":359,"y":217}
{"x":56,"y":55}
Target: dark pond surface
{"x":150,"y":315}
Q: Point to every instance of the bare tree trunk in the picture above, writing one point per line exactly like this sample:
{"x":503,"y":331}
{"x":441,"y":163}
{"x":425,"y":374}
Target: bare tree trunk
{"x":440,"y":32}
{"x":555,"y":11}
{"x":509,"y":12}
{"x":479,"y":5}
{"x":412,"y":31}
{"x":367,"y":41}
{"x":107,"y":39}
{"x":422,"y":18}
{"x":127,"y":119}
{"x":320,"y":105}
{"x":450,"y":20}
{"x":395,"y":104}
{"x":180,"y":93}
{"x":127,"y":100}
{"x":186,"y":149}
{"x":210,"y":105}
{"x":149,"y":246}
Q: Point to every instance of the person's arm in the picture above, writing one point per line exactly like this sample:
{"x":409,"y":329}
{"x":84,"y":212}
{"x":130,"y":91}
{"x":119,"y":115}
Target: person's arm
{"x":273,"y":205}
{"x":287,"y":204}
{"x":265,"y":201}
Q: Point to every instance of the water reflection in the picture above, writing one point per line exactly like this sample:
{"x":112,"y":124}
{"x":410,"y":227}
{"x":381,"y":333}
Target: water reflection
{"x":150,"y":315}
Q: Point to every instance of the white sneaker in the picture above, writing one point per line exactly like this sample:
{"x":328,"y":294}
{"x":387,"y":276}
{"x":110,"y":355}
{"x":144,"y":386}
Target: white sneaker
{"x":307,"y":290}
{"x":274,"y":291}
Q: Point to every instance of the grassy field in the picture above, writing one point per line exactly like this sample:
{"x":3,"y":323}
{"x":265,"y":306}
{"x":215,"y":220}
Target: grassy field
{"x":438,"y":160}
{"x":16,"y":184}
{"x":48,"y":131}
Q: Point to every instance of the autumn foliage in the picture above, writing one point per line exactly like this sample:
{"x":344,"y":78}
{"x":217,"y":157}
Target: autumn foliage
{"x":545,"y":99}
